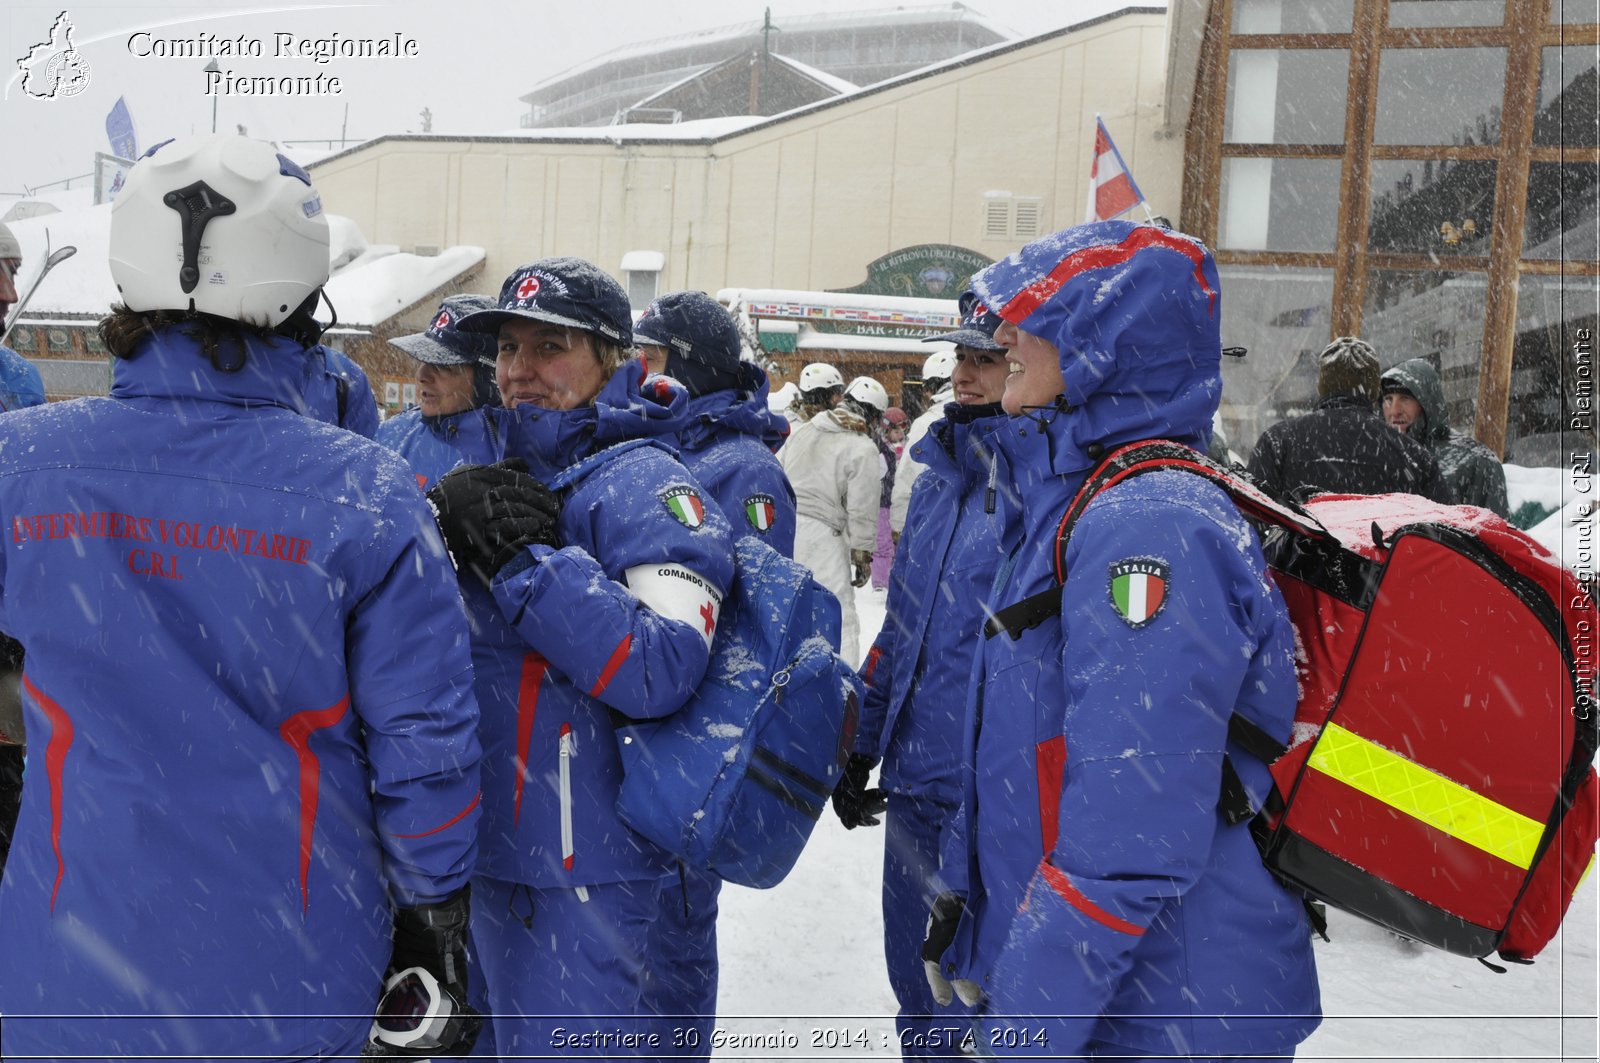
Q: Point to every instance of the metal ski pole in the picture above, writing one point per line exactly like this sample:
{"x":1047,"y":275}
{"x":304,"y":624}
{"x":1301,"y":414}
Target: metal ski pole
{"x":52,"y":260}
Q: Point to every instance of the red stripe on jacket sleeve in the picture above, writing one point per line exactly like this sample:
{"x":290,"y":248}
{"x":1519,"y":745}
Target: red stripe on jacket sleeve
{"x":451,"y":822}
{"x":55,"y":760}
{"x":533,"y":669}
{"x":609,"y":672}
{"x":874,"y":655}
{"x":1064,"y":888}
{"x":1050,"y":765}
{"x":297,"y":731}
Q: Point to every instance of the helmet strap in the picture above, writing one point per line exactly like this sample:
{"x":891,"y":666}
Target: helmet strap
{"x":301,"y":326}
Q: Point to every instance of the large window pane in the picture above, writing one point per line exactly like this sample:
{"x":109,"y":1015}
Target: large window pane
{"x":1286,"y":95}
{"x":1432,"y":207}
{"x":1408,"y":13}
{"x":1563,"y":214}
{"x":1567,"y":98}
{"x":1553,"y":371}
{"x":1433,"y":314}
{"x":1440,"y":95}
{"x":1292,"y":16}
{"x":1282,"y":315}
{"x":1279,"y":204}
{"x":1574,"y":11}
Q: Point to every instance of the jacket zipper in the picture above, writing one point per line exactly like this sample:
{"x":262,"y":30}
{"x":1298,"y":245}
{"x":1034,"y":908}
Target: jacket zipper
{"x":568,"y":749}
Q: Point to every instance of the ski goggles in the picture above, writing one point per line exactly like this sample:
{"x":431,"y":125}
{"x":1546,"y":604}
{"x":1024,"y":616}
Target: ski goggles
{"x":416,"y":1012}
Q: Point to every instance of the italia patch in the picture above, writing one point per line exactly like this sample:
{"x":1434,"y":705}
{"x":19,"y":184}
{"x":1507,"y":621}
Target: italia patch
{"x":1138,"y":589}
{"x":761,"y":512}
{"x":684,"y":504}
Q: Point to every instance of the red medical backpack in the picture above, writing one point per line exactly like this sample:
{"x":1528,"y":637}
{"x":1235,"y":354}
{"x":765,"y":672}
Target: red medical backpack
{"x":1438,"y":781}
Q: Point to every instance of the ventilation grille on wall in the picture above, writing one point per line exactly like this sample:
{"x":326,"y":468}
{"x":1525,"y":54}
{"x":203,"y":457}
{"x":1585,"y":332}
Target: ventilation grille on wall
{"x":1009,"y":217}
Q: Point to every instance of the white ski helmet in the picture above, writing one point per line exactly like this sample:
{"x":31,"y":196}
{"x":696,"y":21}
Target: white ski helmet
{"x":940,"y":365}
{"x":820,"y":376}
{"x":221,"y":225}
{"x":868,"y":392}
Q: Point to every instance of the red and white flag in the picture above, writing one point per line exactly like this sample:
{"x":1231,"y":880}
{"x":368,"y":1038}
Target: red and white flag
{"x":1112,"y":191}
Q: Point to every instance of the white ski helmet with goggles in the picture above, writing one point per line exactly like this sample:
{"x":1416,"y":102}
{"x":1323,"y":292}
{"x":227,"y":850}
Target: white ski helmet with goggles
{"x":220,"y":225}
{"x":868,"y":392}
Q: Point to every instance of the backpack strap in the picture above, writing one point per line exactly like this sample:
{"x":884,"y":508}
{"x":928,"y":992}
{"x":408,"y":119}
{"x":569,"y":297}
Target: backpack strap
{"x":1134,"y":459}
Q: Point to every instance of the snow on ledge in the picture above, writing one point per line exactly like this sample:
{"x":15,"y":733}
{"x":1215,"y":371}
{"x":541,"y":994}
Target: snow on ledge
{"x":373,"y":290}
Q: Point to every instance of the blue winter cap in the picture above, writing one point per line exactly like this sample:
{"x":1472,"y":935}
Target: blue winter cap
{"x":700,"y":339}
{"x":978,"y":325}
{"x":561,"y":291}
{"x":445,"y":343}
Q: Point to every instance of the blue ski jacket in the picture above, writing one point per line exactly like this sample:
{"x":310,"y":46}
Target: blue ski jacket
{"x":427,"y":443}
{"x":729,"y":442}
{"x":919,"y":665}
{"x":249,"y":706}
{"x":619,"y":619}
{"x":20,"y":383}
{"x":341,"y":394}
{"x":1109,"y":900}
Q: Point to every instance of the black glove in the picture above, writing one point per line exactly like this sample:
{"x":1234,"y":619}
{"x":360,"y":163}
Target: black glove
{"x":861,"y":565}
{"x":854,"y":804}
{"x":434,"y":938}
{"x":942,"y":921}
{"x":488,"y":514}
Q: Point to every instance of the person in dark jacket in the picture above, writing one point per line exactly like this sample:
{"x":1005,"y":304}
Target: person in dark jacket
{"x":594,"y":581}
{"x":1413,"y":403}
{"x":728,"y":442}
{"x":455,"y":373}
{"x":1100,"y":904}
{"x":1342,"y":445}
{"x":916,"y":676}
{"x":248,"y":684}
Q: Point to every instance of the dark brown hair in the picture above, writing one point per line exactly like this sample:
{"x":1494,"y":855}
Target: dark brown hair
{"x":122,"y":329}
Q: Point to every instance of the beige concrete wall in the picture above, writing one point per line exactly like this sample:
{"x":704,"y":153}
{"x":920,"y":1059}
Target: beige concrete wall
{"x":805,"y":202}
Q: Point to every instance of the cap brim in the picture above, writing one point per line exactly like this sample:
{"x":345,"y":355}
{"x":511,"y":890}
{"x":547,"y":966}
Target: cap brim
{"x":425,"y":348}
{"x":968,"y":337}
{"x":645,"y":337}
{"x":489,"y":321}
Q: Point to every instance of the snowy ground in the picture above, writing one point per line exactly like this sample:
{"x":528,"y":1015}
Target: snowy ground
{"x":802,"y":964}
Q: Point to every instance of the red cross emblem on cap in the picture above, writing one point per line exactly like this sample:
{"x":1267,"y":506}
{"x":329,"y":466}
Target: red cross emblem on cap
{"x":978,"y":309}
{"x":442,"y":320}
{"x":528,"y":288}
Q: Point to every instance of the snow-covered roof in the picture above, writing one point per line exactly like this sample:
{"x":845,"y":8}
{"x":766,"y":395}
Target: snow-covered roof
{"x":791,"y":24}
{"x":821,"y":77}
{"x":374,"y":283}
{"x":368,"y":292}
{"x":698,"y":129}
{"x":709,"y":130}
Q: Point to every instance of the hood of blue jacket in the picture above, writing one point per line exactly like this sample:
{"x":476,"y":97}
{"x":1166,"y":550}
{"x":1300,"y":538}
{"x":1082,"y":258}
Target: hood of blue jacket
{"x":1135,"y":311}
{"x":723,"y":414}
{"x":552,"y":440}
{"x":169,"y":364}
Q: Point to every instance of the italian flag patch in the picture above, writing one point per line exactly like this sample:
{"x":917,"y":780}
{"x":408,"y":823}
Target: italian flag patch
{"x":1139,"y":589}
{"x":761,"y":512}
{"x":684,"y":504}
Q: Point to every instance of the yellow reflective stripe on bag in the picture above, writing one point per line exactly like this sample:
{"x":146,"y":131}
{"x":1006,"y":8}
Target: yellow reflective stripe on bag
{"x":1426,"y":795}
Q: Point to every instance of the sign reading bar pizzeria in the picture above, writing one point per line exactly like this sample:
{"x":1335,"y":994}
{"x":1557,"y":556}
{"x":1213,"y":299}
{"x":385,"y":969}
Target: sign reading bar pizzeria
{"x":923,"y":271}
